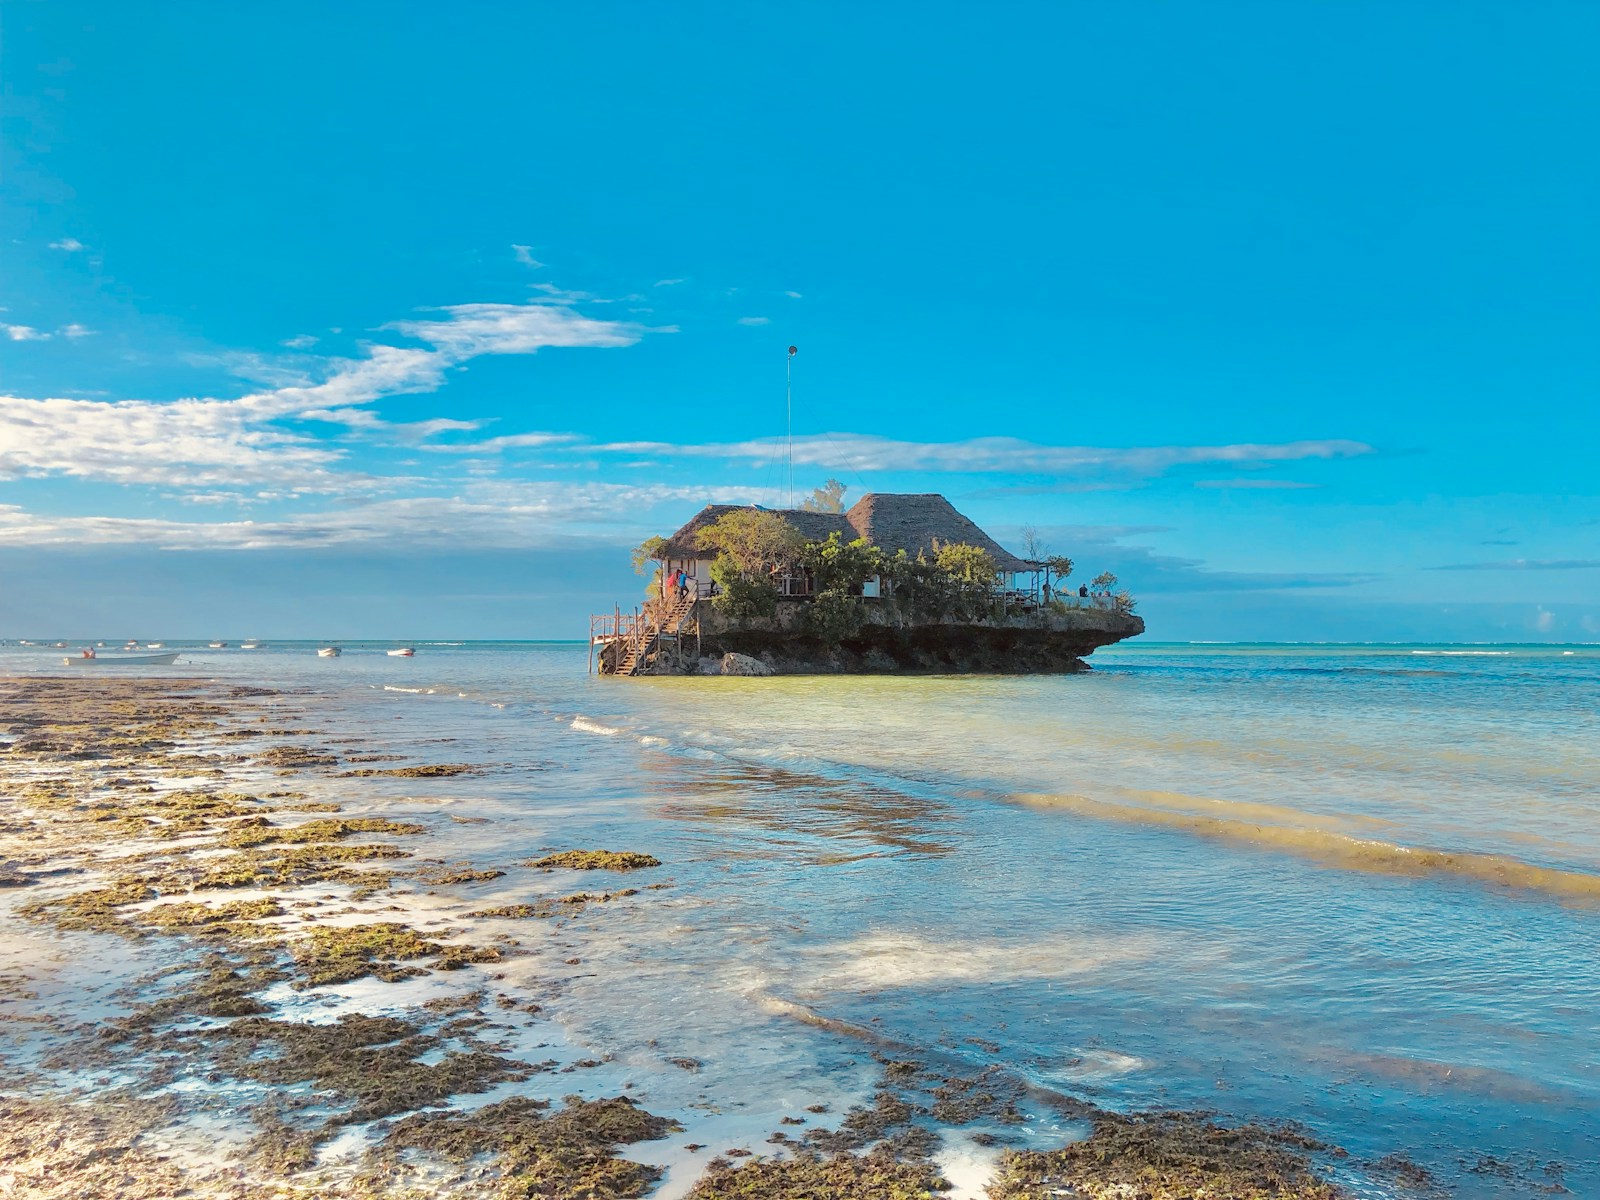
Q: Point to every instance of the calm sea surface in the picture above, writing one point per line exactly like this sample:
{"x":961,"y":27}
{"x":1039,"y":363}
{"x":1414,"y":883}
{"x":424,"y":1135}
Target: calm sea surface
{"x":1358,"y":886}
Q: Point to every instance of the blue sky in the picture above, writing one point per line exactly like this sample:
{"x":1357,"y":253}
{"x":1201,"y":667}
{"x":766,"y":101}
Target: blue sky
{"x":387,"y":319}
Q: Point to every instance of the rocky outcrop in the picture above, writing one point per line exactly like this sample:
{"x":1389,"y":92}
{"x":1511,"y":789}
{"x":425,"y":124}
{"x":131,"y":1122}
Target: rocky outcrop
{"x":742,"y":664}
{"x":889,"y":642}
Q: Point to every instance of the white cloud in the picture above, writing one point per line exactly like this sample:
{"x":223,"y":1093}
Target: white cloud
{"x":513,"y":441}
{"x":755,"y":320}
{"x":1254,"y":484}
{"x":794,"y":295}
{"x":868,"y":452}
{"x":302,"y":341}
{"x":524,"y":255}
{"x":70,"y":244}
{"x":75,"y":330}
{"x":669,"y":282}
{"x":24,"y":333}
{"x":484,"y":513}
{"x":207,"y":443}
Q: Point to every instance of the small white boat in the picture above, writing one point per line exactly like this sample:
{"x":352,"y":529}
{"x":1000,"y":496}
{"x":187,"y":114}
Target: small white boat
{"x":329,"y":652}
{"x":403,"y":652}
{"x":61,"y":645}
{"x":218,"y":645}
{"x":155,"y":645}
{"x":124,"y":660}
{"x":249,"y":645}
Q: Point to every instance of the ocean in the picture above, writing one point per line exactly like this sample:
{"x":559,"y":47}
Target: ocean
{"x":1353,"y":886}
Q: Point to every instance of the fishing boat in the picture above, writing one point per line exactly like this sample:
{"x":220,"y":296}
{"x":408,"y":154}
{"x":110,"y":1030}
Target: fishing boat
{"x":403,"y":652}
{"x":123,"y":660}
{"x":250,"y":645}
{"x":155,"y":646}
{"x":218,"y":645}
{"x":329,"y":652}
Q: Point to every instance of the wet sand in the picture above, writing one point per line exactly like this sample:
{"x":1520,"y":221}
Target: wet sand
{"x":232,"y":969}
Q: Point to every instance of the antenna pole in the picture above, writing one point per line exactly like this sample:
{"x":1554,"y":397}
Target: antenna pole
{"x":788,"y":407}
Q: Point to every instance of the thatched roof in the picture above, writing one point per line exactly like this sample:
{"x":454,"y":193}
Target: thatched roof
{"x":912,"y":523}
{"x":814,"y":527}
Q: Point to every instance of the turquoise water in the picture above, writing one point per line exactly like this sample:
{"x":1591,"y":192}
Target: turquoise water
{"x":1358,"y":886}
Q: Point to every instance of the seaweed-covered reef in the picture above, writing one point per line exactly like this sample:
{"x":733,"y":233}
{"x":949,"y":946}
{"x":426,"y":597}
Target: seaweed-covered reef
{"x":268,"y":920}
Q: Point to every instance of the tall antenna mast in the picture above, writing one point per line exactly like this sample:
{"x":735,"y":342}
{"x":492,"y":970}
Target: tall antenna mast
{"x":788,"y":405}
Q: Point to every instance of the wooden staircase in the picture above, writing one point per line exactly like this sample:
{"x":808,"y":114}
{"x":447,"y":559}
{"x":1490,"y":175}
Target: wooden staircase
{"x":647,"y":635}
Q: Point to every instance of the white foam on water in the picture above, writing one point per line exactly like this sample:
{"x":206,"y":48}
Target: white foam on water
{"x":584,"y":725}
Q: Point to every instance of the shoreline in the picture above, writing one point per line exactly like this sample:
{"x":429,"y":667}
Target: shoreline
{"x":241,"y":916}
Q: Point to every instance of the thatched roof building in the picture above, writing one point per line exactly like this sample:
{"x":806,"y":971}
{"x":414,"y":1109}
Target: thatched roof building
{"x":912,"y":522}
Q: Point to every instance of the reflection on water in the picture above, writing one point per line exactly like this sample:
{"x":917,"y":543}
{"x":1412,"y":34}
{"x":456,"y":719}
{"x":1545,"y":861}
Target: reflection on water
{"x":1351,"y":886}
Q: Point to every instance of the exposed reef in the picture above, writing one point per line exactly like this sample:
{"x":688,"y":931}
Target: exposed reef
{"x":1036,"y":642}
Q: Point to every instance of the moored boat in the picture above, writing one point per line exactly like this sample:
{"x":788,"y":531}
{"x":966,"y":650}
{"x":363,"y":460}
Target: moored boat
{"x":218,"y":645}
{"x":403,"y":652}
{"x":250,"y":645}
{"x":329,"y":652}
{"x":123,"y":660}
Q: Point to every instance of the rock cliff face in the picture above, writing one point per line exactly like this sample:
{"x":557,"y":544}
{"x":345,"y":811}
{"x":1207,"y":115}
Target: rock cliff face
{"x":1032,"y":643}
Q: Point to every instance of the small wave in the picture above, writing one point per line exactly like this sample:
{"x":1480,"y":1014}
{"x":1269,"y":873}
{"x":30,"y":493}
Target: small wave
{"x":389,"y":687}
{"x":1339,"y":849}
{"x":587,"y":726}
{"x":648,"y":740}
{"x":1465,"y":653}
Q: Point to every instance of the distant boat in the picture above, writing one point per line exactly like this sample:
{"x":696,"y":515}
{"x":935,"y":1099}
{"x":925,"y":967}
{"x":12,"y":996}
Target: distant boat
{"x":61,"y":645}
{"x":154,"y":645}
{"x":250,"y":645}
{"x":329,"y":652}
{"x":124,"y":660}
{"x":218,"y":645}
{"x":403,"y":652}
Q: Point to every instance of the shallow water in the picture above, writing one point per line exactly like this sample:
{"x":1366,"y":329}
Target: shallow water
{"x":1357,"y":886}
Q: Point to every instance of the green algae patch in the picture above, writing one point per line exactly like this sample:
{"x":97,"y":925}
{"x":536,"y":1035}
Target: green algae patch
{"x":329,"y":829}
{"x":565,"y":1155}
{"x":838,"y":1177}
{"x":230,"y":920}
{"x":444,"y":876}
{"x":597,"y":860}
{"x":375,"y":1065}
{"x":515,"y":912}
{"x":340,"y":953}
{"x":429,"y":771}
{"x":293,"y":758}
{"x":1169,"y":1156}
{"x":98,"y":909}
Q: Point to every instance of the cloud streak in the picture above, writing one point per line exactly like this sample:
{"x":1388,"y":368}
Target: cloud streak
{"x":253,"y":440}
{"x":488,"y":513}
{"x":1525,"y":564}
{"x":867,"y":452}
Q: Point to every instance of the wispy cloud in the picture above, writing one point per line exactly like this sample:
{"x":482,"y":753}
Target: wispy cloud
{"x":794,"y":295}
{"x":868,"y":452}
{"x":669,"y":282}
{"x":75,"y":330}
{"x":1524,"y":564}
{"x":1254,"y":484}
{"x":207,"y":443}
{"x":524,"y":255}
{"x":24,"y":333}
{"x":303,"y":342}
{"x":486,"y":513}
{"x":755,"y":320}
{"x":70,"y":244}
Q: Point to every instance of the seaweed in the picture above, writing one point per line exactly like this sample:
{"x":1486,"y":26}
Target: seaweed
{"x":597,"y":860}
{"x":337,"y":954}
{"x":876,"y":1176}
{"x":430,"y":771}
{"x":1169,"y":1156}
